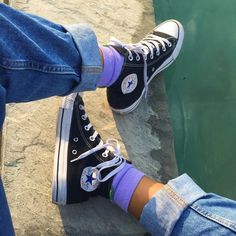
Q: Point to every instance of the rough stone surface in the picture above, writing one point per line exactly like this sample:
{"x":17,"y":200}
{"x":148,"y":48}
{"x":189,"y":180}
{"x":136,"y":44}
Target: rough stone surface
{"x":29,"y":133}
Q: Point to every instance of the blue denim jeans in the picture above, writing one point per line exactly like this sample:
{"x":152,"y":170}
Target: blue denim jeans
{"x":39,"y":59}
{"x":183,"y":208}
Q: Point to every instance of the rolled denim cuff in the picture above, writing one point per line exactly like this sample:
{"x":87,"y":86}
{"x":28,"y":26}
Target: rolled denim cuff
{"x":161,"y":213}
{"x":91,"y":67}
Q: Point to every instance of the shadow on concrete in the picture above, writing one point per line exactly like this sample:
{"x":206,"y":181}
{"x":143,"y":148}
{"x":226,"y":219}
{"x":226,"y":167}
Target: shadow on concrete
{"x":98,"y":217}
{"x":147,"y":135}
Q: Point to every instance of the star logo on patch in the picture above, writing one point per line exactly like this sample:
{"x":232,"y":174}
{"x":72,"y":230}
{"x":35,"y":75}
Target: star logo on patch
{"x":88,"y":180}
{"x":129,"y":83}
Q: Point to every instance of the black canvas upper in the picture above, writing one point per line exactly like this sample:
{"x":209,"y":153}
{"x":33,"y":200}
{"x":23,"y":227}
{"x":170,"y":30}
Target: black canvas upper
{"x":75,"y":193}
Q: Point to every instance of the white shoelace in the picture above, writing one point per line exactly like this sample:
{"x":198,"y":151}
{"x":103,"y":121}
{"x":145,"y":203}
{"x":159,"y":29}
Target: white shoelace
{"x":144,"y":47}
{"x":118,"y":160}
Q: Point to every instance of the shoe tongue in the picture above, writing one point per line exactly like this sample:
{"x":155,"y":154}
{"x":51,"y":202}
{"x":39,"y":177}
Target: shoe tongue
{"x":162,"y":35}
{"x":120,"y":50}
{"x":80,"y":100}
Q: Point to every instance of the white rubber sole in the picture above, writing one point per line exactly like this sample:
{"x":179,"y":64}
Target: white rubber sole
{"x":59,"y":184}
{"x":164,"y":65}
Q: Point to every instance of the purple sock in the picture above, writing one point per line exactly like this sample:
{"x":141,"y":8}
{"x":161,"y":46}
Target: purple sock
{"x":113,"y":63}
{"x":124,"y":185}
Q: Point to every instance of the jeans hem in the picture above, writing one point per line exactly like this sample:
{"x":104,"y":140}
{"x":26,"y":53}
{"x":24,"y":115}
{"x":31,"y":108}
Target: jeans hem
{"x":91,"y":67}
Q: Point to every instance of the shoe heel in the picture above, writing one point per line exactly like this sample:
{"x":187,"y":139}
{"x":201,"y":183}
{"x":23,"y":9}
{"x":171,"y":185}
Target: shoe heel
{"x":59,"y":186}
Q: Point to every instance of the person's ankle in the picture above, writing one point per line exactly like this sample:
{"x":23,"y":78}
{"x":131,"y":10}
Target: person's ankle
{"x":112,"y":63}
{"x":144,"y":191}
{"x":124,"y":185}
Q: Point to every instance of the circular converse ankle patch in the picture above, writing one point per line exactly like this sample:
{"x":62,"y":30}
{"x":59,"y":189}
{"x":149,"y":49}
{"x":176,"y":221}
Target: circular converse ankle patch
{"x":129,"y":83}
{"x":88,"y":180}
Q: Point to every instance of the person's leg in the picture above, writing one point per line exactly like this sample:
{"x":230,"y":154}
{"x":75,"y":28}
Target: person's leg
{"x":145,"y":190}
{"x":6,"y":227}
{"x":2,"y":105}
{"x":85,"y":166}
{"x":39,"y":59}
{"x":182,"y":208}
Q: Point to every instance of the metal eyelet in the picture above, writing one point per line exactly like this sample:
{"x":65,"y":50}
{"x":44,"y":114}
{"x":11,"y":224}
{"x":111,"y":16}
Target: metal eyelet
{"x":138,"y":58}
{"x":81,"y":107}
{"x":91,"y":138}
{"x":151,"y":56}
{"x":169,"y":45}
{"x":83,"y":117}
{"x":130,"y":57}
{"x":86,"y":128}
{"x":74,"y":152}
{"x":105,"y":154}
{"x":76,"y":139}
{"x":163,"y":49}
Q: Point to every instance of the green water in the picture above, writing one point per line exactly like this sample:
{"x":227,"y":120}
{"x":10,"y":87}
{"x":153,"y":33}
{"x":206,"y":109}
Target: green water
{"x":201,"y":87}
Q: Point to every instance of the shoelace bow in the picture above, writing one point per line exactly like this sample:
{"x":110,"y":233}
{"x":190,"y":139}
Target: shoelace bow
{"x":111,"y":145}
{"x":118,"y":160}
{"x":144,"y":47}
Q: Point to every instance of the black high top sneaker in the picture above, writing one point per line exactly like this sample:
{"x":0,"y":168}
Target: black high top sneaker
{"x":142,"y":62}
{"x":83,"y":165}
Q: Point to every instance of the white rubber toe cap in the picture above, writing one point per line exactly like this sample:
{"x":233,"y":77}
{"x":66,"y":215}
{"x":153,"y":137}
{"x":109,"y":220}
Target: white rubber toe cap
{"x":171,"y":27}
{"x":174,"y":29}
